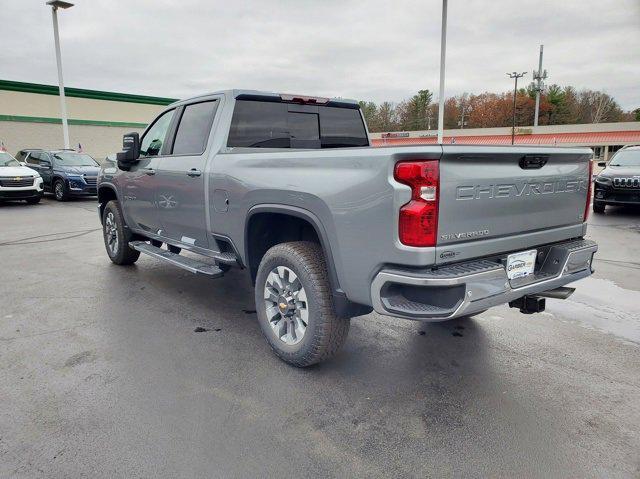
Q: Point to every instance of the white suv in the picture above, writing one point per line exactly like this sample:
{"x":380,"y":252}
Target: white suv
{"x":18,"y":182}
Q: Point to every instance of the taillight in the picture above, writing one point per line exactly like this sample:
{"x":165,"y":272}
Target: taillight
{"x":589,"y":189}
{"x":418,"y":222}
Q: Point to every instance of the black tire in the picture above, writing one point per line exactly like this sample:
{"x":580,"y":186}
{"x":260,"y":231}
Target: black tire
{"x":35,"y":200}
{"x":174,"y":249}
{"x":325,"y":332}
{"x":224,"y":267}
{"x":598,"y":207}
{"x":60,"y":190}
{"x":112,"y":221}
{"x":156,"y":243}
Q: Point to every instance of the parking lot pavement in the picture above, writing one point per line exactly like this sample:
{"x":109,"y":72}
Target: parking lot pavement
{"x":103,"y":375}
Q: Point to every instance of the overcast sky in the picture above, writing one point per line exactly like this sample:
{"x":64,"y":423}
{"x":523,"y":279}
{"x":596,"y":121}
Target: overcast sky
{"x":371,"y":49}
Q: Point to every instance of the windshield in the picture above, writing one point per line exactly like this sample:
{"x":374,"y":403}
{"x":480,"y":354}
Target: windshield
{"x":69,"y":158}
{"x":626,"y":158}
{"x":7,"y":160}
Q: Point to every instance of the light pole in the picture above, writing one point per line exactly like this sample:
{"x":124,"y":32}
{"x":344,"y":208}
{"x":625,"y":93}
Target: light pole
{"x":443,"y":52}
{"x":539,"y":76}
{"x":515,"y":75}
{"x":55,"y":5}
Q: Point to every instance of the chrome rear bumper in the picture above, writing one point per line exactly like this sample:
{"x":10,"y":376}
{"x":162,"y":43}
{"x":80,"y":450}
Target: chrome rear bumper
{"x":466,"y":288}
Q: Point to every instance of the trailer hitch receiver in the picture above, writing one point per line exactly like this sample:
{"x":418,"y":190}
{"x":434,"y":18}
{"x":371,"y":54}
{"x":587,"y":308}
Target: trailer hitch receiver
{"x":529,"y":304}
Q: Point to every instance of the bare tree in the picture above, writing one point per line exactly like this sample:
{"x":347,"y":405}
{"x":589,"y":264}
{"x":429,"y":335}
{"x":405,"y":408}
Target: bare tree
{"x":598,"y":107}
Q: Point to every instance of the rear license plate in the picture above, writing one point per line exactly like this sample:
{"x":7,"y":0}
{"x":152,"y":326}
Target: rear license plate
{"x":521,"y":264}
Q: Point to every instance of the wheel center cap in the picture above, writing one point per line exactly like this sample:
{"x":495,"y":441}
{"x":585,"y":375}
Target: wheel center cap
{"x":285,"y":305}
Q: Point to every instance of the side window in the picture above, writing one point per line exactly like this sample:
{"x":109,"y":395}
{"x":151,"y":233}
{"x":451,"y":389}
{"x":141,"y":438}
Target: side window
{"x":33,"y":158}
{"x":154,"y":138}
{"x":193,"y":130}
{"x":45,"y":159}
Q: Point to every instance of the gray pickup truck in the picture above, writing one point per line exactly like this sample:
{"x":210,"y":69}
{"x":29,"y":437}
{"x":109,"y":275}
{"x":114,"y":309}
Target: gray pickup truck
{"x":288,"y":188}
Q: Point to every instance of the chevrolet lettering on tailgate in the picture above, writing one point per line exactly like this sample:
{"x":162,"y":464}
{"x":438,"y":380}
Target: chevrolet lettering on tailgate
{"x":515,"y":190}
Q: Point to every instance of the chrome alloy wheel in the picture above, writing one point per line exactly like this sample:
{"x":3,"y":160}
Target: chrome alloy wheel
{"x":111,"y":233}
{"x":286,"y":303}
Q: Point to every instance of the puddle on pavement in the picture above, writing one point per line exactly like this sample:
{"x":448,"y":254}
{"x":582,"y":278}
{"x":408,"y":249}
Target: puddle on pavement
{"x":601,"y":304}
{"x":200,"y":329}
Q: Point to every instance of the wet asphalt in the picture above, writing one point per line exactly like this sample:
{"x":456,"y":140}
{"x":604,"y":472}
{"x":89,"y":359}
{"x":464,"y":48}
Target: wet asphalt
{"x":148,"y":371}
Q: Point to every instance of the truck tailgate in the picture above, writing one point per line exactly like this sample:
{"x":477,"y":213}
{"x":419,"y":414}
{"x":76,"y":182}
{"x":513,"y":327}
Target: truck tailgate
{"x":489,"y":195}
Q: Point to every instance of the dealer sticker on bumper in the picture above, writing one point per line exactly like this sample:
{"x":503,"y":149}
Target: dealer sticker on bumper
{"x":521,"y":264}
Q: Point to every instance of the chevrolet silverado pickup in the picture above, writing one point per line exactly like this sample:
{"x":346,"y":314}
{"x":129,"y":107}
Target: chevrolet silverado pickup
{"x":288,"y":188}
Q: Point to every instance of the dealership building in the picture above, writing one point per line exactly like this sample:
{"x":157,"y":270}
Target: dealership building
{"x":603,"y":138}
{"x":30,"y":118}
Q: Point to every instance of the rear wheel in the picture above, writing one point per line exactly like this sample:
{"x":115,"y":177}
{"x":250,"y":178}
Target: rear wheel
{"x":598,"y":207}
{"x":117,"y":236}
{"x":60,"y":190}
{"x":295,"y":306}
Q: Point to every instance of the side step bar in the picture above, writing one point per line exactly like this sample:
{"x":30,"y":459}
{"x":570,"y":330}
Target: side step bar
{"x":184,"y":262}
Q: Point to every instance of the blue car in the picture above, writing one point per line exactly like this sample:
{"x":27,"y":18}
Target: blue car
{"x":65,"y":173}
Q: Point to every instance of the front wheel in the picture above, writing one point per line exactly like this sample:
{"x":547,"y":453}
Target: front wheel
{"x":598,"y":207}
{"x":295,"y":306}
{"x":60,"y":191}
{"x":34,"y":200}
{"x":117,"y":236}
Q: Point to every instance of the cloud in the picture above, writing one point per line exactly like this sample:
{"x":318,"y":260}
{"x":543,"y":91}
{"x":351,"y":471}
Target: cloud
{"x":374,"y":50}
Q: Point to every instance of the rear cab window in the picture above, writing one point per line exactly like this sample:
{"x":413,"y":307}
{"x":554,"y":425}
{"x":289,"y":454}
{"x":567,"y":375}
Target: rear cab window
{"x":274,"y":124}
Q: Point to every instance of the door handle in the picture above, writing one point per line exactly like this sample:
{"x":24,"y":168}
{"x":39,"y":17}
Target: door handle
{"x":149,"y":171}
{"x":193,"y":173}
